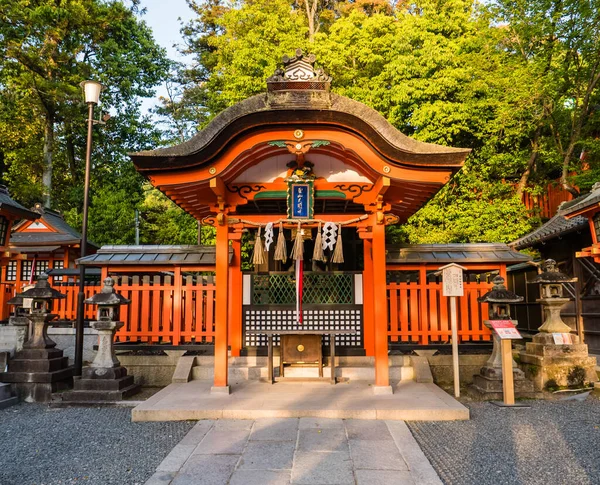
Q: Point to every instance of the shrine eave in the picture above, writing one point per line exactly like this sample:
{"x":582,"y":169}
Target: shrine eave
{"x":260,"y":113}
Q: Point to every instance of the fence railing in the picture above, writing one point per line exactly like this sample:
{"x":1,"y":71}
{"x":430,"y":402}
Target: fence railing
{"x":546,"y":204}
{"x":418,"y":313}
{"x":162,"y":309}
{"x":180,"y":310}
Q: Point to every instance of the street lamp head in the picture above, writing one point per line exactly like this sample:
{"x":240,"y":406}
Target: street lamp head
{"x":91,"y":91}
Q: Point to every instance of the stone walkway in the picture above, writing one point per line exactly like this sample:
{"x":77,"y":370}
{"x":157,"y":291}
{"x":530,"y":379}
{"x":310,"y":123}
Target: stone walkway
{"x":308,"y":451}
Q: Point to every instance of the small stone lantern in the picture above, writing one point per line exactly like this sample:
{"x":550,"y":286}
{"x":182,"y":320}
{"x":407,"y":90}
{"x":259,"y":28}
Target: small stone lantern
{"x":106,"y":324}
{"x":551,"y":290}
{"x":488,"y":382}
{"x":39,"y":369}
{"x":499,"y":299}
{"x":19,"y":310}
{"x":105,"y":380}
{"x":42,"y":296}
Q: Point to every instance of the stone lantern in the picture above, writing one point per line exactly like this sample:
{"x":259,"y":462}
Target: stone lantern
{"x":39,"y":369}
{"x":555,"y":354}
{"x":19,"y":310}
{"x":489,"y":380}
{"x":42,"y":296}
{"x":106,"y":324}
{"x":105,"y":379}
{"x":551,"y":298}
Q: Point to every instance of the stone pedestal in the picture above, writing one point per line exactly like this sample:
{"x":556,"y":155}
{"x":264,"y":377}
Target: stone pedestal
{"x":105,"y":380}
{"x":39,"y":369}
{"x":490,"y":387}
{"x":543,"y":360}
{"x":553,"y":322}
{"x":488,"y":383}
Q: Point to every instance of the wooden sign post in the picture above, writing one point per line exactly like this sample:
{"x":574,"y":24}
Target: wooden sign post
{"x":452,"y":286}
{"x":506,"y":331}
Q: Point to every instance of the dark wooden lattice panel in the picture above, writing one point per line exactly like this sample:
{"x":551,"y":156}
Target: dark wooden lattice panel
{"x":347,"y":317}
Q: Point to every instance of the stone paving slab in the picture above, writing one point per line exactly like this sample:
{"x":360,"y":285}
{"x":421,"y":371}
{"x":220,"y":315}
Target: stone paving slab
{"x":268,"y":455}
{"x":305,"y":451}
{"x":328,"y":439}
{"x":332,"y":468}
{"x":376,"y":455}
{"x":254,"y":400}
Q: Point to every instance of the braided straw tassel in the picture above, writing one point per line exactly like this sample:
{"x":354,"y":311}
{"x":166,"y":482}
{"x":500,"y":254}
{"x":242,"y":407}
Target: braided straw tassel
{"x":338,"y":253}
{"x":298,"y":249}
{"x":318,"y":251}
{"x":280,"y":249}
{"x":258,"y":257}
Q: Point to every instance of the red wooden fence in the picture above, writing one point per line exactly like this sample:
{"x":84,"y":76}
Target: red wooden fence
{"x":182,"y":310}
{"x":161,"y":310}
{"x":548,"y":202}
{"x":418,"y":313}
{"x":66,"y":309}
{"x":165,"y":311}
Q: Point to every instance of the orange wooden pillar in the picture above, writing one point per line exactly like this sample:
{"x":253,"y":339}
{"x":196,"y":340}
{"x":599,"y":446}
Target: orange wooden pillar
{"x":221,"y":382}
{"x":368,"y":327}
{"x":380,"y":316}
{"x":235,"y":296}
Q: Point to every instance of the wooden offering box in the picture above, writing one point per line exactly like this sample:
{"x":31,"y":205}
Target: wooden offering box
{"x":303,"y":350}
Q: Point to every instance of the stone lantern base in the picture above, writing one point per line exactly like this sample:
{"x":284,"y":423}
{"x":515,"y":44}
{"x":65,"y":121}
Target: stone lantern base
{"x":36,"y":373}
{"x":489,"y":384}
{"x":105,"y":380}
{"x":543,"y":360}
{"x":99,"y":388}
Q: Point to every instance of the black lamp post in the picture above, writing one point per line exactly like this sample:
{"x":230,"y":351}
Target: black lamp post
{"x":91,"y":91}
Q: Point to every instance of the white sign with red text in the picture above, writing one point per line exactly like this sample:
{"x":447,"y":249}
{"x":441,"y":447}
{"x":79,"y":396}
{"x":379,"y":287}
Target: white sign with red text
{"x":505,"y":329}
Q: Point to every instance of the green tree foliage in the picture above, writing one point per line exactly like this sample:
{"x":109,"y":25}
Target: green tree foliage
{"x":557,"y":44}
{"x":437,"y":70}
{"x":514,"y":80}
{"x":165,"y":223}
{"x":47,"y":48}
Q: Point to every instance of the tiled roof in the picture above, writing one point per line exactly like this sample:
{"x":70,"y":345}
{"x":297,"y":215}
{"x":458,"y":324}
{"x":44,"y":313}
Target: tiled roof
{"x":453,"y":253}
{"x":7,"y":204}
{"x":41,"y":238}
{"x":559,"y":225}
{"x":582,"y":202}
{"x":152,"y":255}
{"x":65,"y":235}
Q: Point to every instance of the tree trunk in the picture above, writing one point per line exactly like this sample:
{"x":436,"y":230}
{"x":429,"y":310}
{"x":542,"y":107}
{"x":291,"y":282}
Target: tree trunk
{"x":48,"y":152}
{"x":311,"y":14}
{"x":565,"y":169}
{"x":70,"y":152}
{"x":530,"y":162}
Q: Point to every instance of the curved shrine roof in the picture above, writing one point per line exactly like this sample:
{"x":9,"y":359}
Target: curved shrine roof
{"x":299,"y":116}
{"x":262,"y":110}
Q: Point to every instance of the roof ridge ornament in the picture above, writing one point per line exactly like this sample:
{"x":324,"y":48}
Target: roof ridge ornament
{"x":299,"y":73}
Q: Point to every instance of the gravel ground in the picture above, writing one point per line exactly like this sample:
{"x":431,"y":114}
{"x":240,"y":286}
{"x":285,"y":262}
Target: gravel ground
{"x":100,"y":446}
{"x":551,"y":443}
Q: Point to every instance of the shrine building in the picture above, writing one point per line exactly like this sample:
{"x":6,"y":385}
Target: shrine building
{"x":314,"y":178}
